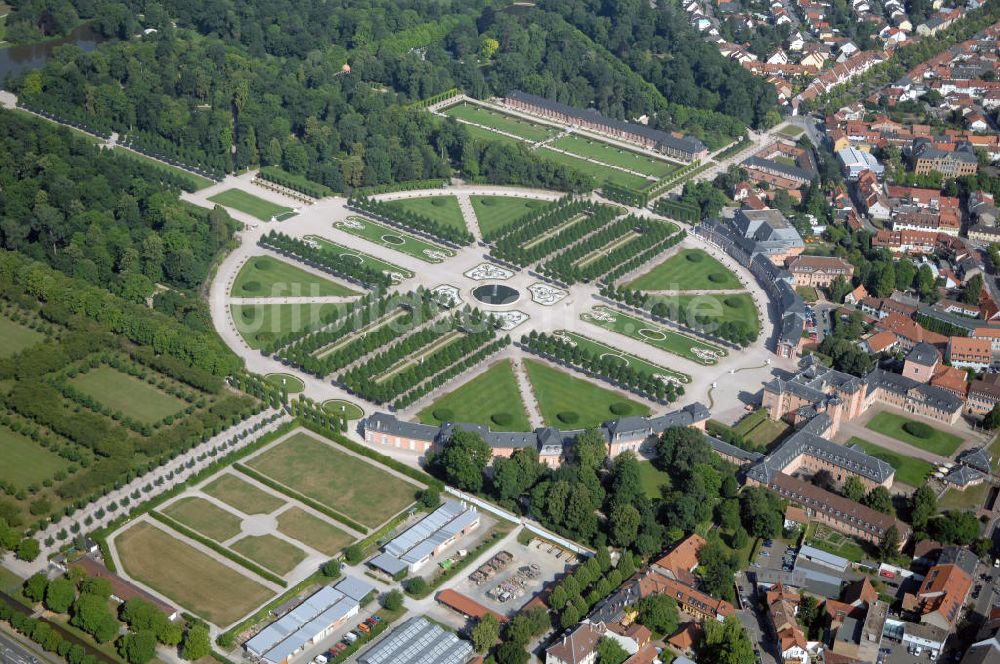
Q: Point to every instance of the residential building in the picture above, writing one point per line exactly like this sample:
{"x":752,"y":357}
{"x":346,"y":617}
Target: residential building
{"x":577,"y":647}
{"x":819,"y":271}
{"x":921,"y":363}
{"x":970,"y":353}
{"x":950,"y":163}
{"x":770,"y":233}
{"x":941,"y":595}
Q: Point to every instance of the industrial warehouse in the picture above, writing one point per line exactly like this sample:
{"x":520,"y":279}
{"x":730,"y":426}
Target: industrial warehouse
{"x":415,"y":546}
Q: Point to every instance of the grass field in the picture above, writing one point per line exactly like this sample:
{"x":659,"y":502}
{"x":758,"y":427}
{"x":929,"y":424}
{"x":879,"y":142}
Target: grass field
{"x":25,"y":462}
{"x":652,"y":479}
{"x":909,"y":470}
{"x":890,"y":424}
{"x":833,"y":542}
{"x":395,"y":239}
{"x":132,"y":396}
{"x":355,"y":255}
{"x":633,"y":361}
{"x":600,"y":172}
{"x":528,"y":131}
{"x":615,"y":156}
{"x":187,"y":576}
{"x":736,"y":308}
{"x":495,"y":212}
{"x":689,"y":269}
{"x":971,"y":499}
{"x":261,"y":323}
{"x":292,"y":384}
{"x":16,"y":337}
{"x":481,"y":398}
{"x":312,"y":531}
{"x":442,"y":209}
{"x":205,"y":517}
{"x":807,"y":293}
{"x":559,"y":393}
{"x":263,"y":276}
{"x":249,"y":204}
{"x":355,"y":487}
{"x":196,"y":182}
{"x":341,"y":407}
{"x":790,"y":131}
{"x":242,"y":495}
{"x":656,"y":336}
{"x":273,"y":553}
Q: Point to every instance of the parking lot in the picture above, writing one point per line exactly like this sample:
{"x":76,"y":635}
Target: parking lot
{"x":512,"y":584}
{"x":777,"y":555}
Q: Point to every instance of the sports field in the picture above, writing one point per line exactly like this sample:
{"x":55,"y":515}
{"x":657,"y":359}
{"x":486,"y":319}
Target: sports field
{"x":492,"y":398}
{"x":312,"y":531}
{"x":496,"y":212}
{"x":263,"y":276}
{"x":561,"y":396}
{"x":909,"y":470}
{"x":242,"y":495}
{"x":25,"y":462}
{"x":654,"y":335}
{"x":394,"y":239}
{"x":690,"y":269}
{"x":602,"y":350}
{"x":249,"y":204}
{"x":262,"y":323}
{"x":614,"y":155}
{"x":600,"y":172}
{"x":132,"y":396}
{"x":892,"y":425}
{"x":354,"y":255}
{"x":205,"y":517}
{"x":192,"y":579}
{"x":275,"y":554}
{"x":16,"y":337}
{"x":442,"y":209}
{"x":353,"y":486}
{"x":527,"y":131}
{"x":735,"y":308}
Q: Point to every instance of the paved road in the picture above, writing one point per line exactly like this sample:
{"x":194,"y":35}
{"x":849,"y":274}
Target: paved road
{"x":15,"y":652}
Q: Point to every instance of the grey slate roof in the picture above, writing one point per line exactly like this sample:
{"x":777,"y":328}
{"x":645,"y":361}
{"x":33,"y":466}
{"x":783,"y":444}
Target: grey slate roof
{"x":978,"y":458}
{"x":963,"y":476}
{"x":804,"y":442}
{"x":937,"y":397}
{"x":961,"y":557}
{"x":723,"y":447}
{"x":924,"y":354}
{"x":794,"y":172}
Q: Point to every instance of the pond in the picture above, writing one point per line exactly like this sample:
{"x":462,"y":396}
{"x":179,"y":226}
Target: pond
{"x":17,"y":59}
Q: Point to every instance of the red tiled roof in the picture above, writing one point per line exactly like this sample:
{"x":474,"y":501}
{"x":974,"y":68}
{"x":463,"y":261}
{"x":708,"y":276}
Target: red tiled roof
{"x":466,"y":605}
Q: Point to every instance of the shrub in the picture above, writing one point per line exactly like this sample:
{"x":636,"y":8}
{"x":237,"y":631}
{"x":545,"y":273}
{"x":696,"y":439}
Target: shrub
{"x":443,"y":414}
{"x":717,"y":277}
{"x":251,"y":286}
{"x":568,"y":417}
{"x":694,"y":257}
{"x":438,"y":201}
{"x":502,"y":419}
{"x":416,"y":586}
{"x":918,"y":429}
{"x":620,"y":408}
{"x":733,"y":302}
{"x":354,"y":554}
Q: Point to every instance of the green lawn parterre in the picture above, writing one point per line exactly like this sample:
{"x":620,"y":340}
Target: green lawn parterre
{"x":615,"y":156}
{"x":261,"y":323}
{"x":653,"y":480}
{"x":242,"y":495}
{"x":353,"y":486}
{"x":631,"y":360}
{"x":353,"y":254}
{"x":264,"y":276}
{"x":689,"y":269}
{"x":312,"y":531}
{"x":249,"y":204}
{"x":204,"y":517}
{"x":478,"y":400}
{"x":24,"y":462}
{"x":891,"y":424}
{"x":340,"y":407}
{"x":291,"y":384}
{"x":528,"y":131}
{"x":724,"y":308}
{"x":275,"y":554}
{"x":132,"y":396}
{"x":557,"y":392}
{"x":600,"y":172}
{"x":442,"y":209}
{"x":394,"y":239}
{"x":655,"y":335}
{"x":495,"y":212}
{"x":909,"y":470}
{"x":16,"y":337}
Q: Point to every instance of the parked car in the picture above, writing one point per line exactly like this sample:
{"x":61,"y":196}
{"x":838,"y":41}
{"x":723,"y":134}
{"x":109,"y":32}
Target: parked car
{"x":364,"y":628}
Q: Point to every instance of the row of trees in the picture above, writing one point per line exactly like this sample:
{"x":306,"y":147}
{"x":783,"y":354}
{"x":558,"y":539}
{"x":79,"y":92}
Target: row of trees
{"x":476,"y":358}
{"x":325,"y":259}
{"x":535,"y":219}
{"x":392,"y":213}
{"x":633,"y":260}
{"x":568,"y":268}
{"x":525,"y":245}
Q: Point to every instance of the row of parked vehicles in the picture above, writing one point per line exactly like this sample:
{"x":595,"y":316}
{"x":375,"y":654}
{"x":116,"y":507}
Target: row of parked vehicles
{"x":334,"y":653}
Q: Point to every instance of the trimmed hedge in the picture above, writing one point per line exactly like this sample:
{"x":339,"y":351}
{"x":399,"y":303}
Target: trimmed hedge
{"x":295,"y":182}
{"x":918,"y":429}
{"x":218,"y":548}
{"x":306,"y":500}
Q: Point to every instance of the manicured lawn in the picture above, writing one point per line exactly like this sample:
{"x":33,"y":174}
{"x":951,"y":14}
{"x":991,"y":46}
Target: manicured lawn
{"x":559,"y":393}
{"x":24,"y":462}
{"x":313,"y":531}
{"x":528,"y":131}
{"x":205,"y":517}
{"x":600,"y":173}
{"x":807,"y":293}
{"x":262,"y":323}
{"x":341,"y":407}
{"x":654,"y":335}
{"x":909,"y":470}
{"x":263,"y":276}
{"x":16,"y":337}
{"x":495,"y":212}
{"x":249,"y":204}
{"x":132,"y":396}
{"x":971,"y":499}
{"x":353,"y":486}
{"x":891,"y":424}
{"x":602,"y":349}
{"x":614,"y":155}
{"x":275,"y":554}
{"x":833,"y":542}
{"x":689,"y":269}
{"x":482,"y":398}
{"x":398,"y":273}
{"x":292,"y":384}
{"x":394,"y":239}
{"x":653,"y":480}
{"x":767,"y":432}
{"x":790,"y":131}
{"x":724,"y":308}
{"x":442,"y":209}
{"x":242,"y":495}
{"x":192,"y":579}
